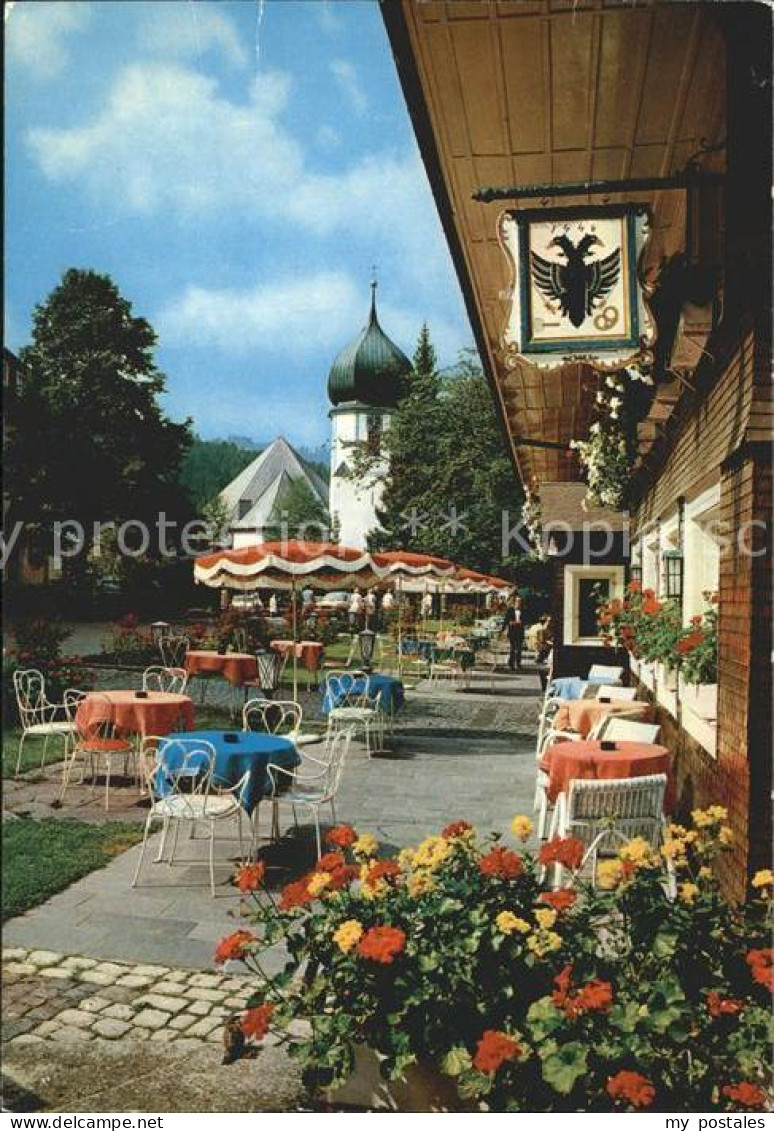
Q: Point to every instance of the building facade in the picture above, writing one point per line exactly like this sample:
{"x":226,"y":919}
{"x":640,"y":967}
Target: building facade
{"x":364,"y":387}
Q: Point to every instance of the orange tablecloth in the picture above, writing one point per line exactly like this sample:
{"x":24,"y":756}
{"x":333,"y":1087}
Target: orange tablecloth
{"x":236,"y":667}
{"x":161,"y":713}
{"x":568,"y":761}
{"x":309,"y":652}
{"x":580,"y":715}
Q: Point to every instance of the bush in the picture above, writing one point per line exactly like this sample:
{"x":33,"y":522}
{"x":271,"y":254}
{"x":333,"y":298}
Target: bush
{"x":39,"y":645}
{"x":619,"y":997}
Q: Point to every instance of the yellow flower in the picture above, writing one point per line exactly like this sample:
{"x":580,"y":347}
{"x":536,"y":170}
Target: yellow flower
{"x":714,"y":815}
{"x":431,"y":853}
{"x":637,"y":851}
{"x":405,"y":858}
{"x":718,"y":812}
{"x":420,"y":883}
{"x":545,"y":918}
{"x":672,"y":849}
{"x":609,"y":874}
{"x":763,"y":879}
{"x":544,"y":942}
{"x":704,"y":873}
{"x":521,"y":827}
{"x":688,"y":892}
{"x":507,"y":923}
{"x":348,"y":935}
{"x":318,"y":883}
{"x":366,"y":845}
{"x":676,"y":832}
{"x":726,"y":835}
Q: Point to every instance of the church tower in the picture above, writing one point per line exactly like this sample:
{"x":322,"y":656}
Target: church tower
{"x":364,"y":387}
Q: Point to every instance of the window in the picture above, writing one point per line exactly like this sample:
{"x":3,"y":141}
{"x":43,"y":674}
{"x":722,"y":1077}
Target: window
{"x":701,"y":569}
{"x":243,"y":508}
{"x":584,"y":588}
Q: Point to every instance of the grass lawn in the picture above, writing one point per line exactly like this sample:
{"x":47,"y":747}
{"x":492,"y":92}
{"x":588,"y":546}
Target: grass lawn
{"x":33,"y":752}
{"x":41,"y":858}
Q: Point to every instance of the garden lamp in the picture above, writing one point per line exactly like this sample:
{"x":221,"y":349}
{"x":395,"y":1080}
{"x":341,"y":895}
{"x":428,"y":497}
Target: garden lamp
{"x":367,"y":640}
{"x":269,"y":670}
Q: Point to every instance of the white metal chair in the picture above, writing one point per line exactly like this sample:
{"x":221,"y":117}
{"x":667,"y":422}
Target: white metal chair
{"x":179,"y":776}
{"x":173,"y":650}
{"x":626,"y":728}
{"x":272,"y":716}
{"x":606,"y":814}
{"x":445,"y":665}
{"x":354,"y":705}
{"x":37,"y":715}
{"x":609,"y":691}
{"x":603,"y":673}
{"x":157,"y":678}
{"x":314,"y":784}
{"x":97,"y":739}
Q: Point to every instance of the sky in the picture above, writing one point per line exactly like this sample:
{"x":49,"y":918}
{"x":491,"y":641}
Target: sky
{"x":237,"y":167}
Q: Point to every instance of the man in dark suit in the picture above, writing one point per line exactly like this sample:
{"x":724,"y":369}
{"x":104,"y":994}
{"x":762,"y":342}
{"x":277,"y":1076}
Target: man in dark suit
{"x":513,"y":625}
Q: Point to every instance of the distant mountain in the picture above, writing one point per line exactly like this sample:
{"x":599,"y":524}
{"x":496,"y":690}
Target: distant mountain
{"x":247,"y":444}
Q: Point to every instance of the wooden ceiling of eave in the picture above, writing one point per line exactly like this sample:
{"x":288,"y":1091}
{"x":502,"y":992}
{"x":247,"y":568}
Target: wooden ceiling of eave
{"x":549,"y":91}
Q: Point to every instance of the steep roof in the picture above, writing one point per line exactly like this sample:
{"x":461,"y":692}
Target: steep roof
{"x":370,"y":369}
{"x":263,"y":481}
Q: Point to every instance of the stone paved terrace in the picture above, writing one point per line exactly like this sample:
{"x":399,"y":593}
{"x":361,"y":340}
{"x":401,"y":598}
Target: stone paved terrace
{"x":111,"y":999}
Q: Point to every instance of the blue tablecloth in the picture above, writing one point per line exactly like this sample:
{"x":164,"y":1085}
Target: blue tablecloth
{"x":390,"y":687}
{"x":251,"y":752}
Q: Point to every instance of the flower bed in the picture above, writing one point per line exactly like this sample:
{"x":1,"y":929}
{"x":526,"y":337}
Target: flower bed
{"x":451,"y":957}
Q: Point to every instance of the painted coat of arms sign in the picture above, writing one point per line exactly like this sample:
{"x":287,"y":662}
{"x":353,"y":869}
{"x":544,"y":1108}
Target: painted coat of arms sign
{"x":576,"y":294}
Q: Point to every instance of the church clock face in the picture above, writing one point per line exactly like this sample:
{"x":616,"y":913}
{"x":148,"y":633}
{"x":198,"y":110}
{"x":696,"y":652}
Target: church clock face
{"x":576,"y":289}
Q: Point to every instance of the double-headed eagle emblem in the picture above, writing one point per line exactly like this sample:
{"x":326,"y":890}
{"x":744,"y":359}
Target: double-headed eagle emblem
{"x":579,"y":287}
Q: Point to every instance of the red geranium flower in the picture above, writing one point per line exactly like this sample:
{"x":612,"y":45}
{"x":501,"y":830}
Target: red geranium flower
{"x":718,"y":1006}
{"x":502,"y":864}
{"x":759,"y":962}
{"x":342,"y":836}
{"x":595,"y":996}
{"x":559,"y":900}
{"x":568,"y":851}
{"x":635,"y":586}
{"x":690,"y":642}
{"x":233,"y":946}
{"x":457,"y":828}
{"x":255,"y":1022}
{"x":342,"y":876}
{"x":250,"y":876}
{"x":330,"y":862}
{"x":382,"y":870}
{"x":494,"y":1049}
{"x":295,"y":894}
{"x":381,"y":944}
{"x":746,"y":1094}
{"x":633,"y":1087}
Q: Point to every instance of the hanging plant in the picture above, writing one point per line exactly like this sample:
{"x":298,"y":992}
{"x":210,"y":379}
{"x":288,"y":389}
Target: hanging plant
{"x":607,"y":456}
{"x":532,"y":519}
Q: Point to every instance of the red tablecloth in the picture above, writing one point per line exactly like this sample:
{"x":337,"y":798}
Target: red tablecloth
{"x":580,"y":715}
{"x":309,"y":652}
{"x":567,"y":761}
{"x":236,"y":667}
{"x":161,"y":713}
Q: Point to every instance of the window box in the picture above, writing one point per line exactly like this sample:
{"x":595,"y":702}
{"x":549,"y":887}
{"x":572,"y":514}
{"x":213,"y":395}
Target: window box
{"x":667,"y":677}
{"x":648,"y":675}
{"x":700,"y":698}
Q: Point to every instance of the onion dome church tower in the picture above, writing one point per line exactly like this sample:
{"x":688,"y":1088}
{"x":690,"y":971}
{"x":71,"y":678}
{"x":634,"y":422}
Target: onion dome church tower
{"x":364,"y":386}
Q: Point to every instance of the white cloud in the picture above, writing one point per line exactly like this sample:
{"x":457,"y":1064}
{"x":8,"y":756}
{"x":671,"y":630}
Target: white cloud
{"x":328,"y":138}
{"x":36,"y":33}
{"x":188,"y":31}
{"x":347,"y":80}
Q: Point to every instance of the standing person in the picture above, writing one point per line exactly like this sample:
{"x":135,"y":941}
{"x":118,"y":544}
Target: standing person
{"x":273,"y":606}
{"x":388,"y":601}
{"x":426,"y":606}
{"x":370,"y":605}
{"x":356,"y":607}
{"x":513,"y":625}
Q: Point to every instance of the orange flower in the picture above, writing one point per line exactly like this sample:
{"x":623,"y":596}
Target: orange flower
{"x":255,"y":1022}
{"x":381,"y":870}
{"x":342,"y":876}
{"x":502,"y":864}
{"x":233,"y":946}
{"x":457,"y":828}
{"x":633,"y":1087}
{"x":381,"y":944}
{"x":718,"y":1006}
{"x":250,"y":876}
{"x":559,"y":900}
{"x":568,"y":851}
{"x":295,"y":894}
{"x":494,"y":1049}
{"x":342,"y":836}
{"x":690,"y":642}
{"x":651,"y":605}
{"x":616,"y":606}
{"x":759,"y":962}
{"x":330,"y":862}
{"x":746,"y":1094}
{"x":635,"y":586}
{"x":595,"y":996}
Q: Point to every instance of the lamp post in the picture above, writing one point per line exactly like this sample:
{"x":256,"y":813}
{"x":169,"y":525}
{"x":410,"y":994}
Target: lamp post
{"x":269,"y":670}
{"x":366,"y":641}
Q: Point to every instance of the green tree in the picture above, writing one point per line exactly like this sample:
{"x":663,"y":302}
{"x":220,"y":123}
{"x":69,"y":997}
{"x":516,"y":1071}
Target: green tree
{"x":298,"y":507}
{"x":92,"y":443}
{"x":210,"y":465}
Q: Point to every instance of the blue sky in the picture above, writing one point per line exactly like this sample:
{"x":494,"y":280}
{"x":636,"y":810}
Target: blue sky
{"x":236,"y":167}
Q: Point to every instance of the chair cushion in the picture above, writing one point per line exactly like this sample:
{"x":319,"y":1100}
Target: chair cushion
{"x":351,"y":713}
{"x":51,"y":728}
{"x":106,"y":746}
{"x":194,"y":808}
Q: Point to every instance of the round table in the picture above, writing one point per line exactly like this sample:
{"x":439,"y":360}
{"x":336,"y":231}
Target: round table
{"x":309,"y":652}
{"x":581,"y":715}
{"x":157,"y":713}
{"x":569,"y":761}
{"x":236,"y":667}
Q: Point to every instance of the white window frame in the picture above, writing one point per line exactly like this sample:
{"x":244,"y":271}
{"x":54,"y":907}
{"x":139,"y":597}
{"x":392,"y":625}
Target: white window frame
{"x":573,"y":574}
{"x":699,"y":514}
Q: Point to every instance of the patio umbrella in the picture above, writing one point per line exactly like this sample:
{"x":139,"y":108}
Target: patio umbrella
{"x":284,"y":565}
